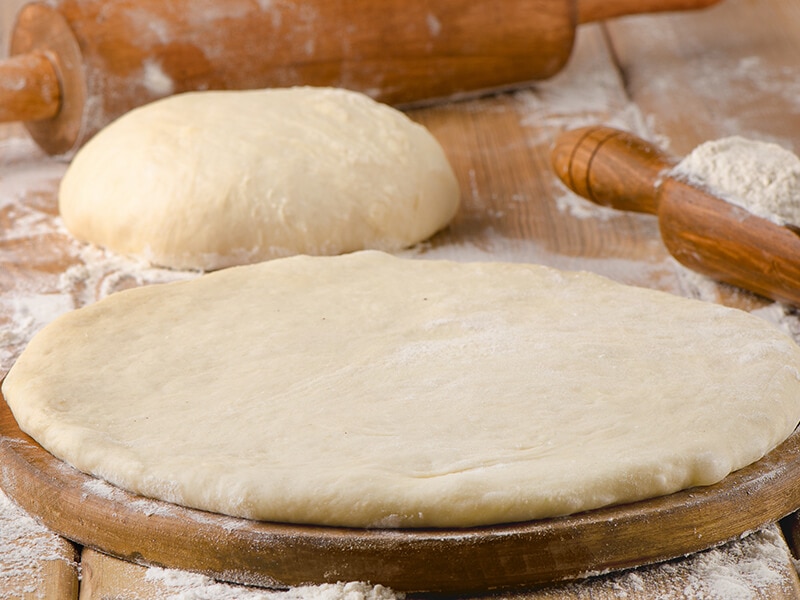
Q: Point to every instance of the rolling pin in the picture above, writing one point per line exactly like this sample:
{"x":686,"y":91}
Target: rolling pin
{"x":704,"y":233}
{"x":76,"y":65}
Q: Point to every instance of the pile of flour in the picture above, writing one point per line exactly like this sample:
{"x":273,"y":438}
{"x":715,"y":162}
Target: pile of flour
{"x":762,"y":177}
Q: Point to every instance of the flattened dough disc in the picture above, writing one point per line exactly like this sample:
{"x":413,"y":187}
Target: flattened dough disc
{"x":371,"y":391}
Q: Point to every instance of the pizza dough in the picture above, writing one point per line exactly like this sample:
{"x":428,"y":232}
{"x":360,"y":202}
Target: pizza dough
{"x":206,"y":180}
{"x":372,"y":391}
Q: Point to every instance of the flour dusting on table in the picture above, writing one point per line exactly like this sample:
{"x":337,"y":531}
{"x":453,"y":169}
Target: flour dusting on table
{"x":100,"y":273}
{"x":181,"y":585}
{"x":25,"y":548}
{"x":741,"y":570}
{"x":744,"y":569}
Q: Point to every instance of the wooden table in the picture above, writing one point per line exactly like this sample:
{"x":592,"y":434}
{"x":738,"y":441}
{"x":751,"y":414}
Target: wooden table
{"x":677,"y":79}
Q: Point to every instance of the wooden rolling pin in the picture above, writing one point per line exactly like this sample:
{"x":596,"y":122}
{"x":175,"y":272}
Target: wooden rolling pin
{"x":78,"y":64}
{"x":709,"y":235}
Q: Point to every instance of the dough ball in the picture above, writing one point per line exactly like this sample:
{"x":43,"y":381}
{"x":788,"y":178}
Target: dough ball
{"x":206,"y":180}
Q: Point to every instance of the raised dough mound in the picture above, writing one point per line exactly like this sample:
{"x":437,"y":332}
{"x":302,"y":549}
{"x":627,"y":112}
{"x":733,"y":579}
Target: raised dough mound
{"x":206,"y":180}
{"x":366,"y":390}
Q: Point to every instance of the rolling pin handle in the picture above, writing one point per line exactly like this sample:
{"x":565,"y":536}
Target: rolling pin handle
{"x":29,"y":88}
{"x":611,"y":167}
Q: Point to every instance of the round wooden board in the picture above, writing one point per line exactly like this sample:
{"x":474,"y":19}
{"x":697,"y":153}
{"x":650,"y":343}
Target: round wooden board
{"x":95,"y":514}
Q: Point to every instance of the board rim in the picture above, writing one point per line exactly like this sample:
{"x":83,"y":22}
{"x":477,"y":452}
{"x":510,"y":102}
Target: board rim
{"x":450,"y":560}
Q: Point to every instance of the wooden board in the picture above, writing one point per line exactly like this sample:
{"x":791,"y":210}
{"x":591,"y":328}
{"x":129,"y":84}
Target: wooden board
{"x":35,"y":563}
{"x":145,"y":531}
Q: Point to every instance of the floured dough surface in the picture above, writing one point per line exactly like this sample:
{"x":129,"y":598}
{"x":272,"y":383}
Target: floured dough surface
{"x":205,"y":180}
{"x":367,"y":390}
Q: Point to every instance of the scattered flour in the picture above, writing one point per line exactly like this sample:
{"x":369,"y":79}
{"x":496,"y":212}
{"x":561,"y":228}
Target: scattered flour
{"x":23,"y":314}
{"x":783,"y":316}
{"x":25,"y":547}
{"x":181,"y":585}
{"x":581,"y":208}
{"x":156,"y":81}
{"x":146,"y":506}
{"x":100,"y":272}
{"x":762,"y":177}
{"x":585,"y":93}
{"x":58,"y":274}
{"x":750,"y":568}
{"x":739,"y":571}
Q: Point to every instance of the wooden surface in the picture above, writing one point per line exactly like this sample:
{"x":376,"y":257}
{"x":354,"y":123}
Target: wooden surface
{"x":676,"y":79}
{"x":468,"y":560}
{"x":34,"y":561}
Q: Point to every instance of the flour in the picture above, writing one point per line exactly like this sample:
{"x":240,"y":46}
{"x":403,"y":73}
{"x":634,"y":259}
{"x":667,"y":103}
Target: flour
{"x":761,"y":177}
{"x":586,"y":93}
{"x":181,"y":585}
{"x":22,"y":314}
{"x":752,"y":567}
{"x":58,"y":274}
{"x":783,"y":316}
{"x":100,"y":273}
{"x":25,"y":548}
{"x":740,"y":570}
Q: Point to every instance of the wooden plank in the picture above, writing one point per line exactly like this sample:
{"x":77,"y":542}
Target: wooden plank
{"x":55,"y":579}
{"x":728,"y":70}
{"x":35,"y":563}
{"x":105,"y":577}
